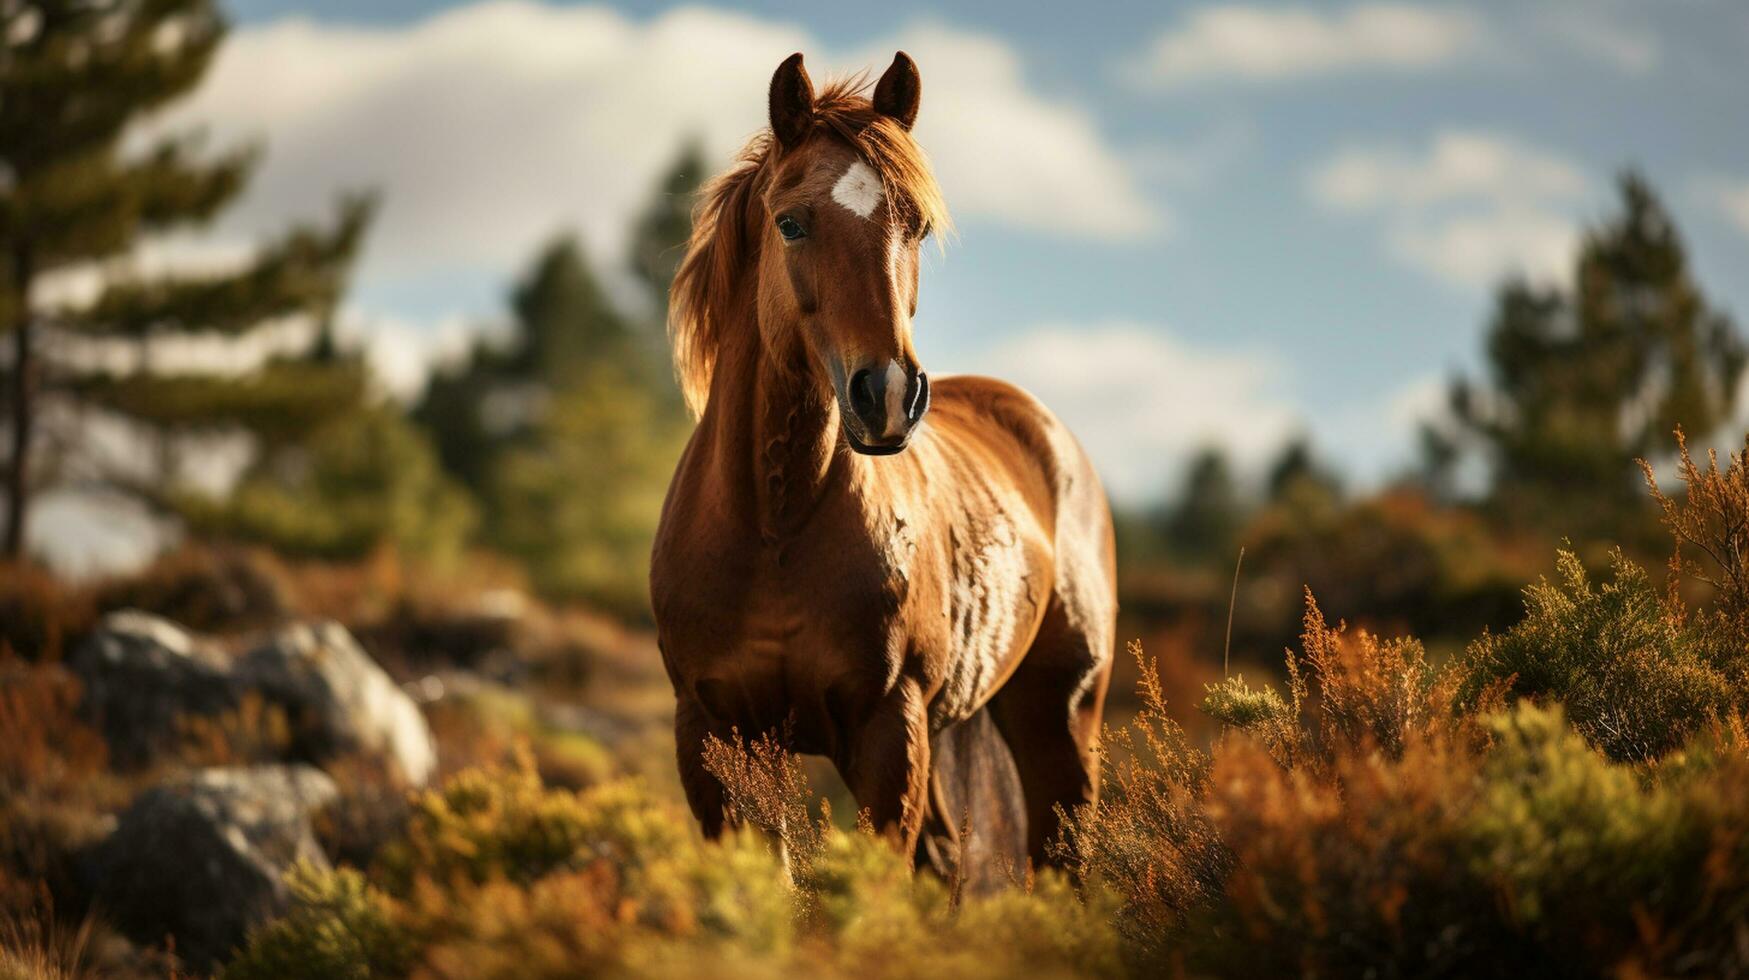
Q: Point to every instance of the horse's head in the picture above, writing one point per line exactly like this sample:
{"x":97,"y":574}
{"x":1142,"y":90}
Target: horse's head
{"x":848,"y":203}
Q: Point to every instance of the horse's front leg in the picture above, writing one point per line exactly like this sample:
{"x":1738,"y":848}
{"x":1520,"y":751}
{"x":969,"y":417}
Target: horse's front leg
{"x":704,"y":793}
{"x":888,"y":767}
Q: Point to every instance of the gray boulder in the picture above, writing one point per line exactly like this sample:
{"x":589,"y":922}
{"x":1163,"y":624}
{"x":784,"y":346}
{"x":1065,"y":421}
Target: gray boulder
{"x":145,"y":678}
{"x":201,"y":859}
{"x":338,"y":700}
{"x":142,"y":674}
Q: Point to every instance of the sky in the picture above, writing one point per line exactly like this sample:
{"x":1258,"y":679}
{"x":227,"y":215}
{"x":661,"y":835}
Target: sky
{"x":1179,"y":224}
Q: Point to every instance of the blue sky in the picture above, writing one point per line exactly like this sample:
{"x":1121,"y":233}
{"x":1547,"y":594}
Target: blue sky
{"x":1179,"y":223}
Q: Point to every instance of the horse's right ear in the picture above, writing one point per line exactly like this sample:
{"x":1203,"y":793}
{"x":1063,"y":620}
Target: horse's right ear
{"x":792,"y":102}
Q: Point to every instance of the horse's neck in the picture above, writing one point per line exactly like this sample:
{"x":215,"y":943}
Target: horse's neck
{"x":776,"y":434}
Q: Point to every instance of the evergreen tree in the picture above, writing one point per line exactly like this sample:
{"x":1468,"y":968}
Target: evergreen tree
{"x":566,"y":433}
{"x":1297,"y":472}
{"x":366,"y":479}
{"x":1581,"y":384}
{"x":75,"y":78}
{"x":568,"y":429}
{"x":562,"y":328}
{"x":1204,"y":521}
{"x":579,"y":502}
{"x":659,"y":236}
{"x":565,"y":322}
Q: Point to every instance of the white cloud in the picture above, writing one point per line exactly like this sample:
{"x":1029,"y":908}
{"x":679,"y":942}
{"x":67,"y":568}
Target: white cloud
{"x":1469,"y":208}
{"x":401,"y":353}
{"x":1377,"y":437}
{"x":1594,"y":31}
{"x":1478,"y":250}
{"x":494,"y":125}
{"x":1458,"y":164}
{"x":1004,"y":152}
{"x":1731,"y":197}
{"x":1140,"y":400}
{"x":1270,"y":44}
{"x":1201,"y":159}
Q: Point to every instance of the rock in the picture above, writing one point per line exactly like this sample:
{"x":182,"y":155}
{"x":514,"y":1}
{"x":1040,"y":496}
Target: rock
{"x":141,"y":674}
{"x":202,"y":858}
{"x":338,"y":700}
{"x":145,"y":677}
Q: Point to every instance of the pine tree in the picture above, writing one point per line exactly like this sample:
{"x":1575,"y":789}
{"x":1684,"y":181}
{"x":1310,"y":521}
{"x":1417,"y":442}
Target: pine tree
{"x":565,"y":321}
{"x":1297,"y":472}
{"x":1582,"y":383}
{"x":76,"y":77}
{"x":1204,"y":521}
{"x":567,"y":430}
{"x":659,"y":236}
{"x":562,"y":328}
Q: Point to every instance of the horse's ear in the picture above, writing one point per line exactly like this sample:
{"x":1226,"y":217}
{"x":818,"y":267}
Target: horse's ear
{"x":792,"y":102}
{"x":899,"y":91}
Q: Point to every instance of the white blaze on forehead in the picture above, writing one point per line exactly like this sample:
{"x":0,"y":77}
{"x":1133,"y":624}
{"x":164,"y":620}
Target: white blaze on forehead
{"x":895,"y":400}
{"x":859,"y":190}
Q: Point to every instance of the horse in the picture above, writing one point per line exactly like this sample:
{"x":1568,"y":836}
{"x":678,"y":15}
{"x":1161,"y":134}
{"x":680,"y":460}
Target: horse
{"x":829,"y":564}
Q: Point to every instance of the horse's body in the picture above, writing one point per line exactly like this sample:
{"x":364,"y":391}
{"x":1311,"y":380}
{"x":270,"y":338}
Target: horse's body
{"x":859,"y":603}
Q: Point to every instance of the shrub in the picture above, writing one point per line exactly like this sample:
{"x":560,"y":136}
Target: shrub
{"x":1148,"y":839}
{"x":43,"y":744}
{"x":499,"y":876}
{"x":203,"y":589}
{"x":1638,"y":680}
{"x":1380,"y":816}
{"x":767,"y":790}
{"x":39,"y":615}
{"x":338,"y":928}
{"x":504,"y":823}
{"x":1364,"y":693}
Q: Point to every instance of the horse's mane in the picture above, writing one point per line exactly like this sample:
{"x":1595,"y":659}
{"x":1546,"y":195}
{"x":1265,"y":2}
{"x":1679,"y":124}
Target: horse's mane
{"x":724,"y":240}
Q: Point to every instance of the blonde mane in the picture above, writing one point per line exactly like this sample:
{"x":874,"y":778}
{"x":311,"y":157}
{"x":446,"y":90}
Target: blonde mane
{"x":725,"y":235}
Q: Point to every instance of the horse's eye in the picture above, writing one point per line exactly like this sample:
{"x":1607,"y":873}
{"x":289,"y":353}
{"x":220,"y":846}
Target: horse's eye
{"x":790,"y":229}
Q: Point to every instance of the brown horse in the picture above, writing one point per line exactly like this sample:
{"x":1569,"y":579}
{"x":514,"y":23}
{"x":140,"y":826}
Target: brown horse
{"x":829,"y":565}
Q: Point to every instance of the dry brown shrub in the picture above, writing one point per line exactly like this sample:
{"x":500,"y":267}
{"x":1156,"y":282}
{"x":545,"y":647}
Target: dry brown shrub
{"x":766,"y":789}
{"x":1348,"y":692}
{"x":205,"y":589}
{"x":1371,"y":692}
{"x":43,"y":743}
{"x":1341,"y":869}
{"x":1712,"y":518}
{"x":39,"y":614}
{"x":254,"y":731}
{"x":1148,"y":838}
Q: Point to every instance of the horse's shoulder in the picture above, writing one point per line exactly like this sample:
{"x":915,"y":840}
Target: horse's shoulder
{"x":994,"y":399}
{"x":984,"y":405}
{"x":978,"y":401}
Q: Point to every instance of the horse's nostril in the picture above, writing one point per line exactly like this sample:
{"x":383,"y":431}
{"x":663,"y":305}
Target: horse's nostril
{"x":918,"y":403}
{"x":862,"y":396}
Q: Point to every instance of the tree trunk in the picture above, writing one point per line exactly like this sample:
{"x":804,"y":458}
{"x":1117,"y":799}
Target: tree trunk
{"x":23,"y":405}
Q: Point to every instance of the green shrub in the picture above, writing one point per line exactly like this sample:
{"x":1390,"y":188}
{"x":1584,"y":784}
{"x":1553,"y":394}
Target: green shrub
{"x":338,"y":928}
{"x":485,"y":824}
{"x":1638,"y":679}
{"x":499,"y":876}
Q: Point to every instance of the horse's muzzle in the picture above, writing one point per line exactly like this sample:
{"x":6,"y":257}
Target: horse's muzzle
{"x":885,"y":407}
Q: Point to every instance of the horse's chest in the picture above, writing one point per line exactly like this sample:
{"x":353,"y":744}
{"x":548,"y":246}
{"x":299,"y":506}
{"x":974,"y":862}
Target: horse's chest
{"x":785,"y":636}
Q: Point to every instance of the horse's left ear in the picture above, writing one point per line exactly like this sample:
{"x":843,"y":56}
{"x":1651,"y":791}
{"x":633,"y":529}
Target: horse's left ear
{"x":899,"y":91}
